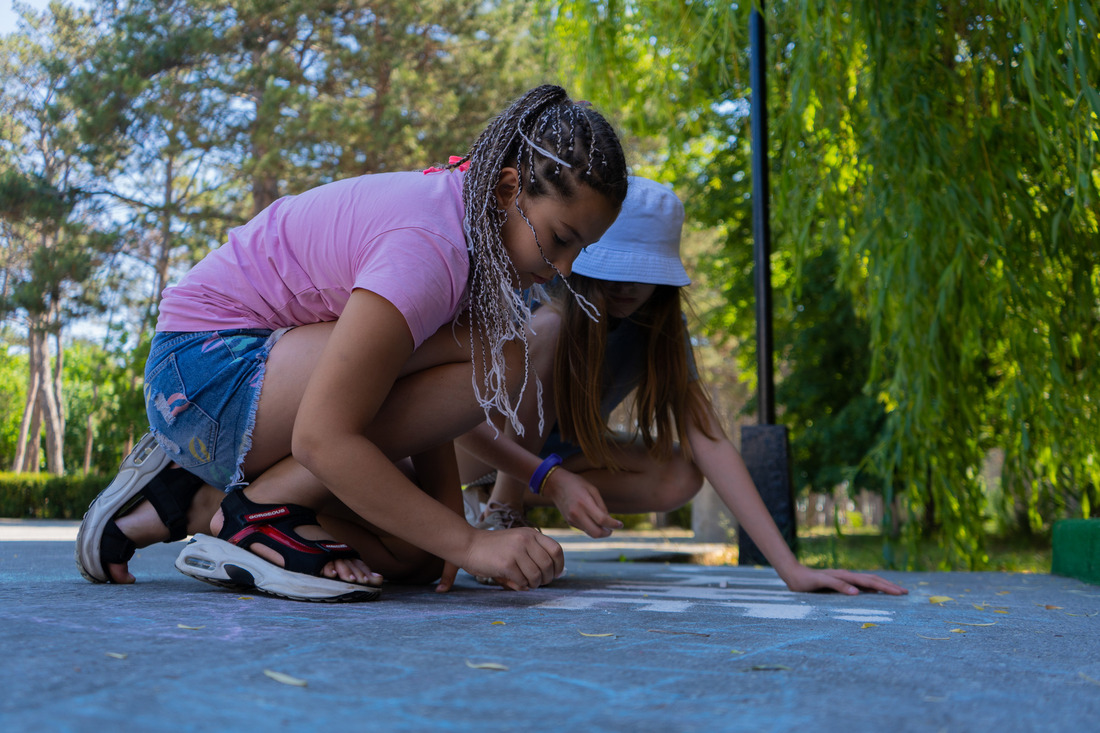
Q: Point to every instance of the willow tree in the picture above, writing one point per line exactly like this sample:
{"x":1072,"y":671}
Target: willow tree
{"x":947,"y":155}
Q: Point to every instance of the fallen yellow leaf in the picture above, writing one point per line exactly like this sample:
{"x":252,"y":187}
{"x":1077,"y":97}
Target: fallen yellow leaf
{"x":285,"y":678}
{"x":958,"y":631}
{"x":487,"y":665}
{"x":584,"y":634}
{"x":116,"y":655}
{"x":999,"y":610}
{"x":939,"y":600}
{"x":1052,"y":608}
{"x":935,"y":638}
{"x":192,"y":628}
{"x":981,"y":607}
{"x":867,"y":625}
{"x":245,"y":598}
{"x":499,"y":623}
{"x":736,"y":651}
{"x":1003,"y":592}
{"x":963,"y":623}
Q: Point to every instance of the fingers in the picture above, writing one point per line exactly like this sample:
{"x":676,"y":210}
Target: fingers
{"x":447,"y":580}
{"x":530,"y":559}
{"x":846,"y":581}
{"x":874,"y":582}
{"x":591,"y":517}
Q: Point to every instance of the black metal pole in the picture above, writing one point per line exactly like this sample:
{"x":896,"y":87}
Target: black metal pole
{"x":760,"y":215}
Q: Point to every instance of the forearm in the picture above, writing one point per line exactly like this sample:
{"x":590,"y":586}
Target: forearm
{"x":365,"y":480}
{"x":722,"y":465}
{"x":502,"y":451}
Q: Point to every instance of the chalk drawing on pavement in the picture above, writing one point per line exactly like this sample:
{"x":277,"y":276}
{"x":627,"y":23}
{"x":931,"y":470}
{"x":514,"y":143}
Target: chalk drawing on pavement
{"x":754,"y":597}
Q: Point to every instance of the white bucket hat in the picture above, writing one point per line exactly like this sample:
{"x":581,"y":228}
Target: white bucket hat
{"x":643,"y":245}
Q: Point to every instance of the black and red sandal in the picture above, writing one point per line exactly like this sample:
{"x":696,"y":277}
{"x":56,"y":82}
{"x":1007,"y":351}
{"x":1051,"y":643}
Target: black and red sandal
{"x":226,"y":561}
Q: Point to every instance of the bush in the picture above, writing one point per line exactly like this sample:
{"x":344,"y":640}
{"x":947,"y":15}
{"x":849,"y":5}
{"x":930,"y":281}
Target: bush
{"x":44,"y":496}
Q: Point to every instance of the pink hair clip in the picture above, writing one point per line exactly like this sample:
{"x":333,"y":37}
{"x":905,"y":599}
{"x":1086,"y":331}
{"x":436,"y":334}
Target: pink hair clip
{"x":450,"y":161}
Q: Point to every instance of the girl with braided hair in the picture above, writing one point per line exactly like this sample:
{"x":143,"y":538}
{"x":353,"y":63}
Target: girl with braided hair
{"x":317,"y":366}
{"x":633,"y":276}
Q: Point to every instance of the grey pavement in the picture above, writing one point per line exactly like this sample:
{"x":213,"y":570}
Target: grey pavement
{"x":635,"y":638}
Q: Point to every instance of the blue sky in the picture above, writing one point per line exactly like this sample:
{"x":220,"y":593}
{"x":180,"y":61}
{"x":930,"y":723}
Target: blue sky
{"x":8,"y":16}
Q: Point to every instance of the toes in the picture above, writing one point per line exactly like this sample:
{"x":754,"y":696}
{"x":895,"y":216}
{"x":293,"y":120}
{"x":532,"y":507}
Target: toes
{"x":120,"y":574}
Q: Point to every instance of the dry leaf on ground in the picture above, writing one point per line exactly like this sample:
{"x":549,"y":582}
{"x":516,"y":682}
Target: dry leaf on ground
{"x":285,"y":678}
{"x":487,"y":665}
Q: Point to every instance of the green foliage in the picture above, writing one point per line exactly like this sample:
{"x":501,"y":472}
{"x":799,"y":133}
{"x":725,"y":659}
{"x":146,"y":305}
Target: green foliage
{"x":41,"y":496}
{"x":946,"y":157}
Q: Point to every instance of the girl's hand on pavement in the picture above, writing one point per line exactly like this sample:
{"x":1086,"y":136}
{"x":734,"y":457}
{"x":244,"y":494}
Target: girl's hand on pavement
{"x":805,"y":579}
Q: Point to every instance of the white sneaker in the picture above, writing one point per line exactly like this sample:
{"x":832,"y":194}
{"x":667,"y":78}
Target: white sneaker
{"x":145,"y":461}
{"x":224,"y":564}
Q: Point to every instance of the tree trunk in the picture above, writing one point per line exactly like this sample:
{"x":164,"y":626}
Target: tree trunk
{"x":19,"y":465}
{"x":89,"y":427}
{"x":51,"y":410}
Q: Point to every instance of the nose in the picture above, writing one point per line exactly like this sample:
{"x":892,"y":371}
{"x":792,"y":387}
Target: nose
{"x":620,"y":289}
{"x":564,"y":264}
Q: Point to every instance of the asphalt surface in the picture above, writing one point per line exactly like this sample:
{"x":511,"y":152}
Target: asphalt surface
{"x":620,"y":643}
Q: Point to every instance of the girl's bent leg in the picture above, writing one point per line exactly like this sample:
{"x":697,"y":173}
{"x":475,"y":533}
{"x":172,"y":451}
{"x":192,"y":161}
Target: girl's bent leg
{"x":430,"y":404}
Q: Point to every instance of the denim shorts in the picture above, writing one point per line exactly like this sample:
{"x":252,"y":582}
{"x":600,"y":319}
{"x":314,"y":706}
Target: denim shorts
{"x":201,"y":393}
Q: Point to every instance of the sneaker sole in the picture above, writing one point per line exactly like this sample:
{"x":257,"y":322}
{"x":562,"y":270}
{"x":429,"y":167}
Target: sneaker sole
{"x":145,"y":461}
{"x":226,"y":565}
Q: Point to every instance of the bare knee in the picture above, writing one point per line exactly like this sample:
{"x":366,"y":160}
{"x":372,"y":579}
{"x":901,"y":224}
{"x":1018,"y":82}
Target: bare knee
{"x":680,"y":481}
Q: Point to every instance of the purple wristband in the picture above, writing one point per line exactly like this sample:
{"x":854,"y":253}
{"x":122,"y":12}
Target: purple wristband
{"x":551,"y":462}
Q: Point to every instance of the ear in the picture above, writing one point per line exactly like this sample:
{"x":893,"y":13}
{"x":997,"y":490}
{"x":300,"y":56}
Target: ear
{"x":507,"y":188}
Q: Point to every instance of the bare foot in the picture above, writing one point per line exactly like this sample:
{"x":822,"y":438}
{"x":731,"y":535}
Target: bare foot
{"x":144,"y":527}
{"x":349,"y":571}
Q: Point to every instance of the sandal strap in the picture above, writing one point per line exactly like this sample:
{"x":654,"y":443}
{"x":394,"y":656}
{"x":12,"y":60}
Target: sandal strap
{"x":171,"y":494}
{"x":115,"y":547}
{"x":272,"y":525}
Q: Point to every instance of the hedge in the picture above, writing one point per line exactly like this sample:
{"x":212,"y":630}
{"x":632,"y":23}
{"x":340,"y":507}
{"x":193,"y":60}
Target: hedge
{"x":44,"y":496}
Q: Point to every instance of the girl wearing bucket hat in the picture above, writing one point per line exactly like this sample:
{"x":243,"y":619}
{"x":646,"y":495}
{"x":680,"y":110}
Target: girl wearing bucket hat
{"x":633,"y":276}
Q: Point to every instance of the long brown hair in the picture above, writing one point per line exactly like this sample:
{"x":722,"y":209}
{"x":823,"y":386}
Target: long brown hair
{"x":667,"y":395}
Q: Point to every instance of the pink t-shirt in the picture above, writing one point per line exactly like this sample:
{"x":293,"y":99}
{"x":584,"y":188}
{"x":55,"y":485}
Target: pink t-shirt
{"x":399,"y":235}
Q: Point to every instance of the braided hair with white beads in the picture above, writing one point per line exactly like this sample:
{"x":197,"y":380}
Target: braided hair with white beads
{"x":558,"y":146}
